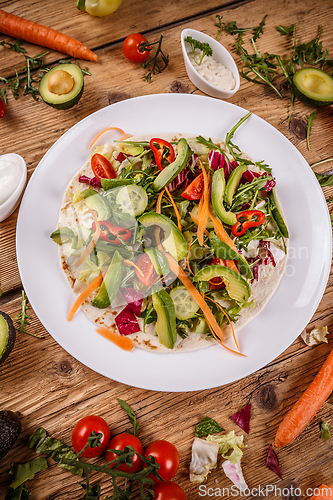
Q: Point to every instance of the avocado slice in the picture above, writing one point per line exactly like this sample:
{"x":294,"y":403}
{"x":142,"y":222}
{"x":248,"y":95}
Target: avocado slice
{"x":218,"y":189}
{"x":277,"y":213}
{"x":233,"y":182}
{"x":171,"y":171}
{"x":130,"y":149}
{"x":159,"y":261}
{"x":7,"y":336}
{"x":174,"y":242}
{"x":166,"y":318}
{"x":10,"y":429}
{"x":223,"y":251}
{"x":313,"y":87}
{"x":62,"y":235}
{"x":236,"y":286}
{"x":96,"y":202}
{"x":62,"y":86}
{"x":111,"y":283}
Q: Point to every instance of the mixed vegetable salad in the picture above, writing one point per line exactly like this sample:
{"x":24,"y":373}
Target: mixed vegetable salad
{"x":178,"y":229}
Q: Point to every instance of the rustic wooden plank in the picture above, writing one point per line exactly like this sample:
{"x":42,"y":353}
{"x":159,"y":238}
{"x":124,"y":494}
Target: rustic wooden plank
{"x":52,"y":389}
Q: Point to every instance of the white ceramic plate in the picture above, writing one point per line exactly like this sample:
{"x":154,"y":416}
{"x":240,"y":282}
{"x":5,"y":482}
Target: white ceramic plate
{"x":269,"y":334}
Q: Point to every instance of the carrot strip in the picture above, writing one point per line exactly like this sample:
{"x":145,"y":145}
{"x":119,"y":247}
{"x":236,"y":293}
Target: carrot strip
{"x":203,"y":206}
{"x":159,"y":202}
{"x":129,"y":263}
{"x":231,"y":264}
{"x":29,"y":31}
{"x":195,"y":220}
{"x":122,"y":138}
{"x":323,"y":492}
{"x":187,"y":257}
{"x":92,"y":243}
{"x":123,"y":342}
{"x":84,"y":295}
{"x":220,"y":231}
{"x":307,"y":406}
{"x":230,"y":323}
{"x":221,"y":343}
{"x":175,"y":209}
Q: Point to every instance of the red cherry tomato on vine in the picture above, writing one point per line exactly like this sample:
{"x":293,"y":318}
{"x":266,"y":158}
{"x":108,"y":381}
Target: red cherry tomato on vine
{"x":132,"y":50}
{"x":102,"y":168}
{"x":119,"y":443}
{"x":167,"y":456}
{"x":168,"y":491}
{"x":82,"y":431}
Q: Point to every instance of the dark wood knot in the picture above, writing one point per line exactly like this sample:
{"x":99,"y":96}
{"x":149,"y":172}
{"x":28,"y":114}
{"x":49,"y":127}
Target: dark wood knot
{"x":178,"y":87}
{"x":66,"y":367}
{"x":268,"y":397}
{"x":291,"y":491}
{"x":117,"y":97}
{"x":298,"y":127}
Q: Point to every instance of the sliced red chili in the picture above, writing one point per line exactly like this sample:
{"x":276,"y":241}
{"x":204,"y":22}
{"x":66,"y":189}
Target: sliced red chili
{"x":111,"y":233}
{"x":246,"y":220}
{"x":162,"y":149}
{"x":195,"y":189}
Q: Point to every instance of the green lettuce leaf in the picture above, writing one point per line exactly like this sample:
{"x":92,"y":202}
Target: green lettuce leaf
{"x":207,"y":426}
{"x":229,"y":442}
{"x":23,"y":472}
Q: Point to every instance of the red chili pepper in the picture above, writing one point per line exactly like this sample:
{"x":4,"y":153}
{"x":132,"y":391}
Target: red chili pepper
{"x":247,"y":219}
{"x":2,"y":108}
{"x":159,"y":151}
{"x":119,"y":232}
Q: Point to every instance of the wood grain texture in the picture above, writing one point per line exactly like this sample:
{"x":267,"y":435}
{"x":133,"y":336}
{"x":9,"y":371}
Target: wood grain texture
{"x":47,"y":385}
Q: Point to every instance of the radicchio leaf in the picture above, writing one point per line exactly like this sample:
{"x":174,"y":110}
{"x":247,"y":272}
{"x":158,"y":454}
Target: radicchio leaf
{"x":216,"y":160}
{"x":134,"y":299}
{"x":272,"y":462}
{"x":127,"y":322}
{"x":242,"y":418}
{"x":121,"y":157}
{"x":92,"y":181}
{"x":182,"y":180}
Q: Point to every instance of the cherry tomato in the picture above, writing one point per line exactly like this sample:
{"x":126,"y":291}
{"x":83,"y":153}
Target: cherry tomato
{"x":195,"y":189}
{"x":167,"y":456}
{"x":119,"y":443}
{"x":82,"y":431}
{"x":2,"y":108}
{"x":147,"y":268}
{"x":102,"y":168}
{"x":168,"y":491}
{"x":216,"y":283}
{"x":131,"y":48}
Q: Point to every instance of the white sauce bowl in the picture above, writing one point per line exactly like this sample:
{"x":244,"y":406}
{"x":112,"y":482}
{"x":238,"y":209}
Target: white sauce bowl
{"x":220,"y":54}
{"x":12,"y":202}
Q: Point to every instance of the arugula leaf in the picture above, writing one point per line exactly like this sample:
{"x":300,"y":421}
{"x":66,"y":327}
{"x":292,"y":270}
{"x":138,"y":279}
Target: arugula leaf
{"x":203,"y":46}
{"x":325,"y":428}
{"x":23,"y":316}
{"x":47,"y":445}
{"x":283,"y":30}
{"x":207,"y":426}
{"x":233,"y":29}
{"x":20,"y":493}
{"x":220,"y":25}
{"x":131,"y":416}
{"x":16,"y":46}
{"x":209,"y":143}
{"x":309,"y":120}
{"x":232,"y":148}
{"x":26,"y":471}
{"x":325,"y":179}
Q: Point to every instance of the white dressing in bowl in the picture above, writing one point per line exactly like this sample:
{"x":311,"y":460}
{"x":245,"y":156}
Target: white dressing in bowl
{"x":13,"y":176}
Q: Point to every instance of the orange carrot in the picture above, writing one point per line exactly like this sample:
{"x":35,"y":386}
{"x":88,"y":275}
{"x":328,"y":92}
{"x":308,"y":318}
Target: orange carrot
{"x":92,"y":243}
{"x":307,"y":406}
{"x":231,"y":264}
{"x":195,"y":220}
{"x":122,"y":138}
{"x":123,"y":342}
{"x":323,"y":492}
{"x":203,"y":206}
{"x":220,"y":231}
{"x":230,"y":323}
{"x":175,"y":209}
{"x":84,"y":295}
{"x":159,"y":202}
{"x":29,"y":31}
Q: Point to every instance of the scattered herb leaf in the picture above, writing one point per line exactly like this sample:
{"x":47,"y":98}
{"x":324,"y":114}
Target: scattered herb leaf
{"x":20,"y":493}
{"x":153,"y":65}
{"x":131,"y":416}
{"x":204,"y":47}
{"x":24,"y":472}
{"x":284,"y":30}
{"x":325,"y":179}
{"x":325,"y":428}
{"x":207,"y":426}
{"x":309,"y":120}
{"x":220,"y":25}
{"x":23,"y":317}
{"x":16,"y":46}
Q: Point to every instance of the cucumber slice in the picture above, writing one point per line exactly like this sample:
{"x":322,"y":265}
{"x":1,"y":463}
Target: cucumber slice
{"x":132,"y":199}
{"x":185,"y":305}
{"x":218,"y":189}
{"x":236,"y":286}
{"x":233,"y":182}
{"x":96,"y":202}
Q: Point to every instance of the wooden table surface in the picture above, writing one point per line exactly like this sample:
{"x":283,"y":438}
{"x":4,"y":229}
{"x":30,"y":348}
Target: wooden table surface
{"x":50,"y":388}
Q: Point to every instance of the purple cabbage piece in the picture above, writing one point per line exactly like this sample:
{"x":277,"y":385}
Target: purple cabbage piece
{"x":134,"y":299}
{"x":216,"y":160}
{"x":179,"y":180}
{"x":269,"y":256}
{"x":255,"y":268}
{"x":121,"y":157}
{"x":229,"y":167}
{"x":272,"y":462}
{"x":127,"y":322}
{"x":91,"y":181}
{"x":242,"y":418}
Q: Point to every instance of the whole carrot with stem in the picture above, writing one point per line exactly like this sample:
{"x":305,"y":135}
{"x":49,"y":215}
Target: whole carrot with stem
{"x":29,"y":31}
{"x":307,"y":406}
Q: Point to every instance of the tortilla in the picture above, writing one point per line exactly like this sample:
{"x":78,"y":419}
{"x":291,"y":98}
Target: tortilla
{"x":268,"y":279}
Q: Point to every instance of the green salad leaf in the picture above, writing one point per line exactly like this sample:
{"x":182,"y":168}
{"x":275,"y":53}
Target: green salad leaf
{"x":207,"y":426}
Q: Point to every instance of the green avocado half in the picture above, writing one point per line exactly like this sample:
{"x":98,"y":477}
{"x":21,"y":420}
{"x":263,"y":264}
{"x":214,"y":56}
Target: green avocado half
{"x":62,"y":86}
{"x":7,"y":336}
{"x":313,"y":87}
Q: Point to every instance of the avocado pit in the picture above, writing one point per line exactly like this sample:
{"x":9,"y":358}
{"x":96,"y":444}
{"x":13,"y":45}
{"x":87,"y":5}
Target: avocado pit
{"x":60,"y":82}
